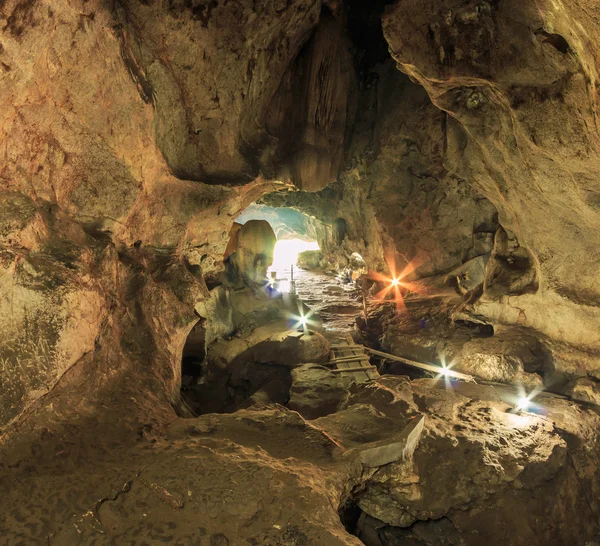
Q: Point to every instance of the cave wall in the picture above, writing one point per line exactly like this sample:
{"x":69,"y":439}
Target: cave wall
{"x":242,"y":88}
{"x":287,"y":223}
{"x":522,"y":107}
{"x":488,"y":148}
{"x":134,"y":132}
{"x":104,"y":247}
{"x":396,"y":198}
{"x":427,"y":214}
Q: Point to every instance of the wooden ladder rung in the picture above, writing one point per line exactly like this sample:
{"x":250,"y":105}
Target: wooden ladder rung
{"x":349,"y":358}
{"x":358,"y":369}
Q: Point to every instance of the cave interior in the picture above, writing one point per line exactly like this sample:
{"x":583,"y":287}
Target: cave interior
{"x":299,"y":272}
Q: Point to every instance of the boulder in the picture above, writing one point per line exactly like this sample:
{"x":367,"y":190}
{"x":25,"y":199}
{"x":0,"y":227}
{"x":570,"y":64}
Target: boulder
{"x":586,"y":389}
{"x":310,"y":259}
{"x":316,"y":391}
{"x":254,"y":246}
{"x":505,"y":358}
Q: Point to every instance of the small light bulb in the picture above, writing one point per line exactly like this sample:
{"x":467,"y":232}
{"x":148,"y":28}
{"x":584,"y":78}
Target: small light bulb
{"x":395,"y":282}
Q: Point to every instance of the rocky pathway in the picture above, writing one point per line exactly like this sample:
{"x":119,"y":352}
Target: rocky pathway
{"x":337,"y":305}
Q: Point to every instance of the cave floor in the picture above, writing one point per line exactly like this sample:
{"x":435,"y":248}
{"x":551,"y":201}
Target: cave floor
{"x":338,"y":305}
{"x":132,"y":473}
{"x":120,"y":468}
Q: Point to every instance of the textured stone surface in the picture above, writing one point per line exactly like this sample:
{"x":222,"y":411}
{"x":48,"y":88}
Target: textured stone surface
{"x":310,"y":259}
{"x":253,"y":251}
{"x":266,"y":476}
{"x":134,"y":133}
{"x":586,"y":390}
{"x":210,"y":70}
{"x":101,"y":105}
{"x":395,"y":199}
{"x":522,"y":127}
{"x":315,"y":391}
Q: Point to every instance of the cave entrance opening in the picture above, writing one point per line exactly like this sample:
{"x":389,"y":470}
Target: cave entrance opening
{"x":288,"y":254}
{"x":307,"y":245}
{"x":297,"y":253}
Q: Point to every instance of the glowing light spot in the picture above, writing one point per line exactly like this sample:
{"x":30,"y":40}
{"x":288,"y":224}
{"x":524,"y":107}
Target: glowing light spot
{"x":286,"y":252}
{"x":284,"y":286}
{"x":302,"y":321}
{"x":523,"y":404}
{"x":397,"y":284}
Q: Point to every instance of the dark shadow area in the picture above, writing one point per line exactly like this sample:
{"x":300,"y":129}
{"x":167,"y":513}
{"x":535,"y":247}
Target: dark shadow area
{"x":475,"y":329}
{"x":365,"y":32}
{"x":191,"y":363}
{"x":208,"y":388}
{"x":228,"y":390}
{"x":349,"y":515}
{"x":340,"y":230}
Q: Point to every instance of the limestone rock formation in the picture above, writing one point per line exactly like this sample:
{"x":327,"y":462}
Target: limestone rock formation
{"x":102,"y":104}
{"x":224,"y":478}
{"x":460,"y":136}
{"x":253,"y":251}
{"x":315,"y":391}
{"x":521,"y":105}
{"x":396,"y":198}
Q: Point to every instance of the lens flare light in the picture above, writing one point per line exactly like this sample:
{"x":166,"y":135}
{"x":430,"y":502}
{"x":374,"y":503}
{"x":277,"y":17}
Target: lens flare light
{"x":445,"y":371}
{"x":524,"y":401}
{"x":396,"y":283}
{"x":302,"y":320}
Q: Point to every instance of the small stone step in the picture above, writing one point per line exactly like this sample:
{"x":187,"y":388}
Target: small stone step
{"x":401,"y":448}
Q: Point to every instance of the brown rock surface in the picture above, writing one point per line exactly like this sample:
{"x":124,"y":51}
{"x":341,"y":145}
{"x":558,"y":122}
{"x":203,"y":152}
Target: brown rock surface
{"x":395,"y":197}
{"x":522,"y":127}
{"x":253,"y":254}
{"x":315,"y":391}
{"x":266,"y":476}
{"x":134,"y":132}
{"x":84,"y":184}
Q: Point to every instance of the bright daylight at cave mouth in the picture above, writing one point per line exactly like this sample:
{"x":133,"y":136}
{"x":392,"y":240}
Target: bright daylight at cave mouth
{"x":299,"y":273}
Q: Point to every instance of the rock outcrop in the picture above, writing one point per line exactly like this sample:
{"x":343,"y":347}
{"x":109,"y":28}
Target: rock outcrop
{"x":252,"y":255}
{"x":118,"y":119}
{"x":396,"y":202}
{"x":521,"y":107}
{"x":266,"y":476}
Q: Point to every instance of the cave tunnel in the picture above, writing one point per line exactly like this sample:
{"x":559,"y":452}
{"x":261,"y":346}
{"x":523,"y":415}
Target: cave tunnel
{"x":296,"y":233}
{"x":430,"y":373}
{"x":296,"y":271}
